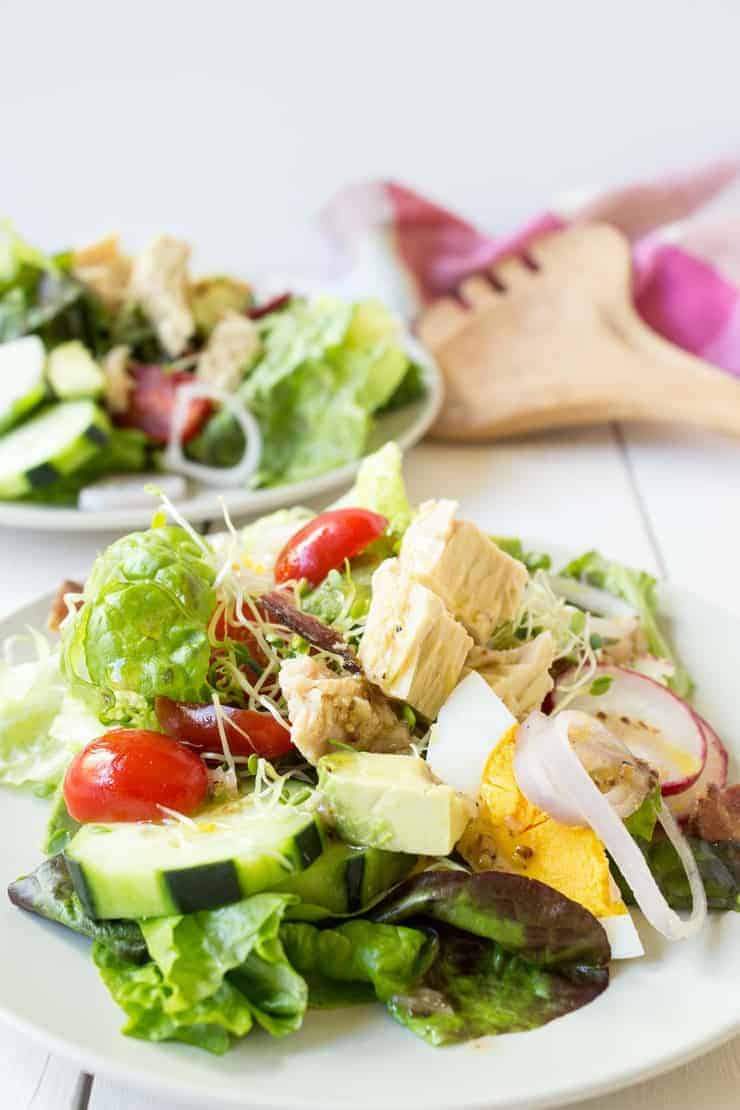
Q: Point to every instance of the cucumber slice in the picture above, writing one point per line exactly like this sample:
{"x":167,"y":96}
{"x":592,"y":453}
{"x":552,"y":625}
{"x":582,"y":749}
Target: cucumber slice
{"x":141,"y":869}
{"x":73,"y":372}
{"x":22,"y":384}
{"x":55,"y":442}
{"x":345,"y":879}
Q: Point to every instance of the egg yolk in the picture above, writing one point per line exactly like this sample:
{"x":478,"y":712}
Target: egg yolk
{"x":511,"y":834}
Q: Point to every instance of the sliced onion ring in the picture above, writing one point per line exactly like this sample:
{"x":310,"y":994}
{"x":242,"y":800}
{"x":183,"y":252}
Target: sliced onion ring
{"x":569,"y":780}
{"x":174,"y":456}
{"x":596,"y":601}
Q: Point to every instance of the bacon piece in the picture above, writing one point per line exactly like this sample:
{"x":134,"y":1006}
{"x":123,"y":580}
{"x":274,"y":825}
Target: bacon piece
{"x":282,"y":611}
{"x":717,"y":817}
{"x":59,"y":609}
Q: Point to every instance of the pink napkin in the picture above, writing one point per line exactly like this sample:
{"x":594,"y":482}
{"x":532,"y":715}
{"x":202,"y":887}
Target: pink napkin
{"x":686,"y":259}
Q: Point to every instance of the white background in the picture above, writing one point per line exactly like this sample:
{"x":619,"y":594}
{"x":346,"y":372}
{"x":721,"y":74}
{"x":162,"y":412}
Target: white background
{"x":232,"y":123}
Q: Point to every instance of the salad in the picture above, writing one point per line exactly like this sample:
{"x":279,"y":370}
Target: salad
{"x":114,"y":366}
{"x":370,"y":755}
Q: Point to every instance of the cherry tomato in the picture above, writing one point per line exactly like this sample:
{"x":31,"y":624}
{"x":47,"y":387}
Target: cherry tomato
{"x":128,"y":773}
{"x":326,"y":541}
{"x":196,"y":724}
{"x":152,"y":402}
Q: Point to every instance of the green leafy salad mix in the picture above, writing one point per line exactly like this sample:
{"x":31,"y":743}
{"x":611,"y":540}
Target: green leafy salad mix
{"x":113,"y":365}
{"x":369,"y":756}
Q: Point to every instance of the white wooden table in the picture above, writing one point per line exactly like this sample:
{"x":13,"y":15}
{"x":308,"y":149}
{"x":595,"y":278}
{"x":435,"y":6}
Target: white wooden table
{"x":664,"y":500}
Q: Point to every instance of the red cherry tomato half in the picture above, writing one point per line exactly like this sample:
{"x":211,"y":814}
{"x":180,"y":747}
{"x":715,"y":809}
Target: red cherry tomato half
{"x":247,"y":731}
{"x":326,"y":541}
{"x":152,"y":402}
{"x":129,"y":773}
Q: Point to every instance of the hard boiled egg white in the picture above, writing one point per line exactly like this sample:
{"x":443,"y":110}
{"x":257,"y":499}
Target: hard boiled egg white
{"x":472,"y":749}
{"x":470,"y":724}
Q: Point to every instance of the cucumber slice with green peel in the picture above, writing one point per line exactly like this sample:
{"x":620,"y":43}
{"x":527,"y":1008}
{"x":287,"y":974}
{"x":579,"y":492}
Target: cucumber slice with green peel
{"x":347,"y":879}
{"x":55,"y":442}
{"x":22,"y":382}
{"x":142,"y":869}
{"x":73,"y":372}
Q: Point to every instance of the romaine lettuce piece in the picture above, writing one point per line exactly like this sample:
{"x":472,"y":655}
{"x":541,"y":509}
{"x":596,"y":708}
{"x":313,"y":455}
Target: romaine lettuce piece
{"x":31,"y":696}
{"x":326,"y":367}
{"x":142,"y":630}
{"x":637,"y":588}
{"x":265,"y":538}
{"x":357,"y":961}
{"x":211,"y":974}
{"x":533,"y":560}
{"x":380,"y":486}
{"x":142,"y":992}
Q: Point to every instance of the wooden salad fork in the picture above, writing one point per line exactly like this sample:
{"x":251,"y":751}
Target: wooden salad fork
{"x":551,"y":339}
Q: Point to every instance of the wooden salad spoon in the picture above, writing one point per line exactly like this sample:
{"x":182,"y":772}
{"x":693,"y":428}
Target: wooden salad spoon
{"x":551,"y":339}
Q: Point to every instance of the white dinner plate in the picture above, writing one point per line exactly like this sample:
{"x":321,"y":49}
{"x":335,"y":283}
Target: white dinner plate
{"x":677,"y":1002}
{"x":406,"y":426}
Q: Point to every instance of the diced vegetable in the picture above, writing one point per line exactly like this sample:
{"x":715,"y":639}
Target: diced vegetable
{"x":22,"y":384}
{"x":231,"y":851}
{"x":73,"y":372}
{"x":346,"y":879}
{"x":57,"y":442}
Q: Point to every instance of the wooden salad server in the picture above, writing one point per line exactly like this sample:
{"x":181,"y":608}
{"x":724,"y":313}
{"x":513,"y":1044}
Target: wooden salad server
{"x":551,"y":339}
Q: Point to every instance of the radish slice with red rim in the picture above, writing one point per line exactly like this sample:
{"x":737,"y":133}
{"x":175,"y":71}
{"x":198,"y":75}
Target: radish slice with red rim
{"x":656,"y":724}
{"x":714,"y":774}
{"x":569,"y":780}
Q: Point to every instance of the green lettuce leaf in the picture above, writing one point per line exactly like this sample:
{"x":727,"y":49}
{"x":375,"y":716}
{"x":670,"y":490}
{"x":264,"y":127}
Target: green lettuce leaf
{"x":141,"y":991}
{"x":31,"y":696}
{"x":512,"y":955}
{"x":39,"y":294}
{"x":719,"y":867}
{"x":411,"y":388}
{"x":263,"y":540}
{"x":637,"y":588}
{"x":326,"y":367}
{"x":48,"y":891}
{"x":343,"y":598}
{"x":61,"y":826}
{"x":142,"y":631}
{"x":357,"y":961}
{"x":533,"y":560}
{"x":210,"y":975}
{"x":475,"y":988}
{"x":524,"y":916}
{"x":379,"y":486}
{"x":195,"y":951}
{"x":642,"y":822}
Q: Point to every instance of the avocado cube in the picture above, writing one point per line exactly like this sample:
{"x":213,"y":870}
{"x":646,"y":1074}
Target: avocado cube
{"x":392,"y":802}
